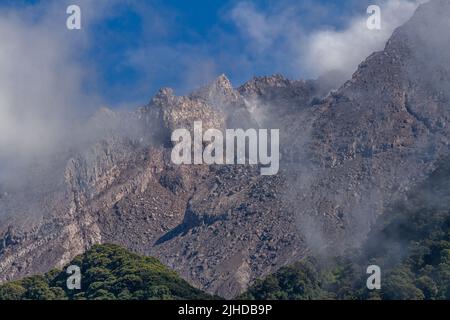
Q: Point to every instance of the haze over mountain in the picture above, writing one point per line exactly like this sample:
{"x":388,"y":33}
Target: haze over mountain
{"x":347,"y":154}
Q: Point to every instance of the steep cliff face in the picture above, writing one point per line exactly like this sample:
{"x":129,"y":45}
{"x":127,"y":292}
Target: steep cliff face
{"x":384,"y":129}
{"x":346,"y":154}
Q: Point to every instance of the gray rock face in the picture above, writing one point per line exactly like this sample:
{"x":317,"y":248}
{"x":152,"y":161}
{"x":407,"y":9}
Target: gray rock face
{"x":346,"y":155}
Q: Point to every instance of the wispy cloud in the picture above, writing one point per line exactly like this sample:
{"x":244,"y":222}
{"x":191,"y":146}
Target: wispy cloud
{"x":39,"y":82}
{"x":43,"y":81}
{"x":342,"y":50}
{"x":44,"y":77}
{"x":282,"y":36}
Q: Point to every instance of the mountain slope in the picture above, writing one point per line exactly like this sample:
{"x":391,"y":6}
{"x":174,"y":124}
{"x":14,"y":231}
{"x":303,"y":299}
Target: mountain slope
{"x":411,"y":244}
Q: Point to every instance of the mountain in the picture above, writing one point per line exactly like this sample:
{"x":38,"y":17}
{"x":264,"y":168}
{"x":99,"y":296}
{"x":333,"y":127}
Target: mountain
{"x":108,"y":272}
{"x":348,"y":153}
{"x":410,"y":244}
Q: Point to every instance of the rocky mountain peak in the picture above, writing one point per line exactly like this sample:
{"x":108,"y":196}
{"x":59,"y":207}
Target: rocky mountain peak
{"x":223,"y":82}
{"x":163,"y":97}
{"x":220,"y":93}
{"x":258,"y":84}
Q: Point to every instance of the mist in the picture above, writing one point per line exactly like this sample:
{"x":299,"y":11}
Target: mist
{"x":47,"y":91}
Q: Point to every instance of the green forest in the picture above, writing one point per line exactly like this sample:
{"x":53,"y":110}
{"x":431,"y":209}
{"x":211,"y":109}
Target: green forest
{"x":109,"y":272}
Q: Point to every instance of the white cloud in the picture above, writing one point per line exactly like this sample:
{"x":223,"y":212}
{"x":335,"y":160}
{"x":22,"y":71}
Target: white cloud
{"x":281,"y":35}
{"x":36,"y":82}
{"x":343,"y":50}
{"x":260,"y":27}
{"x":41,"y":79}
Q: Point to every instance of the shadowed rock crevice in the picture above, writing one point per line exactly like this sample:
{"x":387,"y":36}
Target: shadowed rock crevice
{"x":191,"y":221}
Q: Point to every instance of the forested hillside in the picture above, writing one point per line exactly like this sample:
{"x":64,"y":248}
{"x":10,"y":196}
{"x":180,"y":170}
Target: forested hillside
{"x":108,"y":272}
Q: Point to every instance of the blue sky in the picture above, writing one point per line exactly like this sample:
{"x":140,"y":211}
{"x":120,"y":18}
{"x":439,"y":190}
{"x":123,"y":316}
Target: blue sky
{"x":129,"y":49}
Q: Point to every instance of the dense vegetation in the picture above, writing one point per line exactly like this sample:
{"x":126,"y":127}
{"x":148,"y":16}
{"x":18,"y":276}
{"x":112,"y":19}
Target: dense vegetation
{"x":411,"y":244}
{"x":108,"y":272}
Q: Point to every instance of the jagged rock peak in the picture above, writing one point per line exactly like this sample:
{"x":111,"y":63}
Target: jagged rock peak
{"x":222,"y":82}
{"x":163,"y":97}
{"x":220,"y":85}
{"x":273,"y":80}
{"x":165,"y":92}
{"x":258,"y":84}
{"x":220,"y":92}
